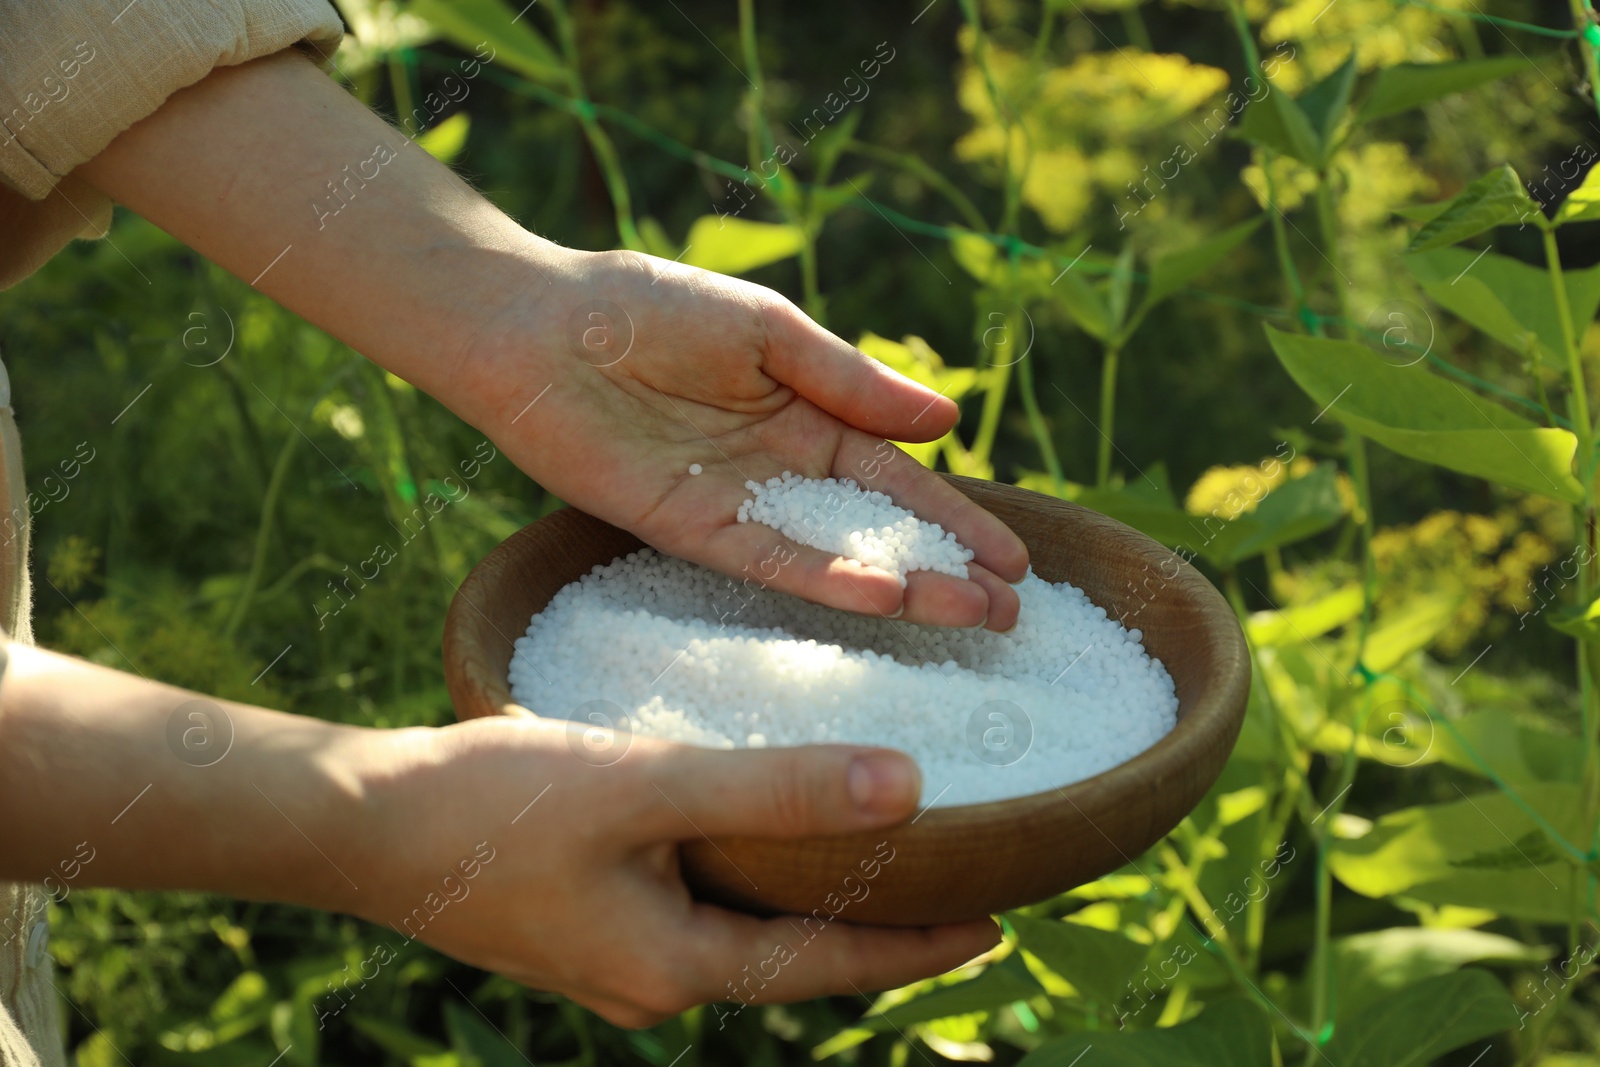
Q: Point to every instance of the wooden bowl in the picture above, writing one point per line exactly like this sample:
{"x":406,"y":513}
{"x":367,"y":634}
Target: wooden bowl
{"x":952,"y":863}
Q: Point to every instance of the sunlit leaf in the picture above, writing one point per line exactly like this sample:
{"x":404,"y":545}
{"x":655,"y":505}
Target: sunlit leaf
{"x":1496,"y":199}
{"x":917,"y":360}
{"x":1305,"y":621}
{"x":491,"y":30}
{"x":1408,"y":85}
{"x":1410,"y":627}
{"x":445,"y":141}
{"x":735,"y":246}
{"x":1370,"y":967}
{"x":1000,"y":984}
{"x":1482,"y":851}
{"x":1583,"y":203}
{"x":1417,"y":414}
{"x":1292,"y":512}
{"x":1509,"y":300}
{"x":1097,"y":962}
{"x":1582,"y":620}
{"x":1412,"y":1027}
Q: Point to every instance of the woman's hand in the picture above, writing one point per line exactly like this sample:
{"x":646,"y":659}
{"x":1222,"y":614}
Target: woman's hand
{"x":499,"y":846}
{"x":427,"y":278}
{"x":495,"y":841}
{"x":618,"y":373}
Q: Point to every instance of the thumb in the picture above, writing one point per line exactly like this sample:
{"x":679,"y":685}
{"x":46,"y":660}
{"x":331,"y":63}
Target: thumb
{"x":777,"y":792}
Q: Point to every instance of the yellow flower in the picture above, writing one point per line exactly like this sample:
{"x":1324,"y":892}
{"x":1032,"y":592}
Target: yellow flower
{"x":1106,"y":123}
{"x":1228,"y":492}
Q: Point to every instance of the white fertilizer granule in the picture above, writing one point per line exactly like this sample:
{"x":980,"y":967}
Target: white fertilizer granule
{"x":689,"y":655}
{"x":842,"y":518}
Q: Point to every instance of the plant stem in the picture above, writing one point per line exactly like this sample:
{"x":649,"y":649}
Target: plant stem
{"x":1591,"y":67}
{"x":1030,"y":405}
{"x":1319,"y":954}
{"x":914,"y":164}
{"x":1108,"y":412}
{"x":1578,"y":412}
{"x":1138,"y":32}
{"x":605,"y":153}
{"x":994,"y":402}
{"x":258,"y":557}
{"x":758,"y":138}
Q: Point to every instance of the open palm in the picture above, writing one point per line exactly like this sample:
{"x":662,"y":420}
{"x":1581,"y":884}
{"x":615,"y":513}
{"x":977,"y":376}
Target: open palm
{"x":621,"y":378}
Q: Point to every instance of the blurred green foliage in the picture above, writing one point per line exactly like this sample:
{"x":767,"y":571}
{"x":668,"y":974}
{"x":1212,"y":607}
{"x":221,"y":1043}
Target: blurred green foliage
{"x":1081,"y":218}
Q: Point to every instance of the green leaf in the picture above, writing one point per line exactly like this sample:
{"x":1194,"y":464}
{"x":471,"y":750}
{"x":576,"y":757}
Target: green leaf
{"x":1418,"y":414}
{"x":1231,"y":1033}
{"x":1085,"y":303}
{"x":492,"y":24}
{"x":1118,"y":288}
{"x":1370,"y":967}
{"x":1410,"y":627}
{"x":1501,"y":745}
{"x":1408,"y":85}
{"x":1510,"y":301}
{"x":1305,"y":621}
{"x":1277,"y":122}
{"x":1097,"y":962}
{"x":1324,"y":105}
{"x":295,"y":1031}
{"x":1581,"y":621}
{"x":1000,"y":984}
{"x":1496,"y":199}
{"x":1583,"y":203}
{"x":976,"y":255}
{"x":1421,"y":1022}
{"x":247,"y":1052}
{"x":917,"y":360}
{"x":735,"y":246}
{"x":476,"y":1042}
{"x":1168,"y":524}
{"x":826,"y":199}
{"x":1292,"y":512}
{"x":246,"y":998}
{"x":1176,"y":270}
{"x":828,"y":144}
{"x":401,"y":1042}
{"x":1466,"y":853}
{"x":445,"y":141}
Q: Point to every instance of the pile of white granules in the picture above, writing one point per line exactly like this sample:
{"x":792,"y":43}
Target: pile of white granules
{"x":690,"y":655}
{"x":842,"y":518}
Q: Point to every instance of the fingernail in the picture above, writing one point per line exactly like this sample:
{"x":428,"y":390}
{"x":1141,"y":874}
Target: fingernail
{"x":884,"y":783}
{"x":899,"y":611}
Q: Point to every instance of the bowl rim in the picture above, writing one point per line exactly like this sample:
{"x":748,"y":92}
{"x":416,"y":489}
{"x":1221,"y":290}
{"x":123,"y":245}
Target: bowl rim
{"x":1217,"y":712}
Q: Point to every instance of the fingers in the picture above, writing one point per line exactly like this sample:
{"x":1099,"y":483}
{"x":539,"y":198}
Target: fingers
{"x":917,"y":489}
{"x":755,"y":961}
{"x":849,"y":384}
{"x":775,"y":792}
{"x":1004,"y":604}
{"x":764,"y":557}
{"x":944,"y":600}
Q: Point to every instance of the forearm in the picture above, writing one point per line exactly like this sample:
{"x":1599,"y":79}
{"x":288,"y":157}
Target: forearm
{"x":273,"y":171}
{"x":108,"y":779}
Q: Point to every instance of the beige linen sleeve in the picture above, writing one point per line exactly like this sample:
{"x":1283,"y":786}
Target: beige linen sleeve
{"x":76,"y":73}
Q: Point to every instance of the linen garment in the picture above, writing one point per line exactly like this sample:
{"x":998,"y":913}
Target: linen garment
{"x":73,"y":75}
